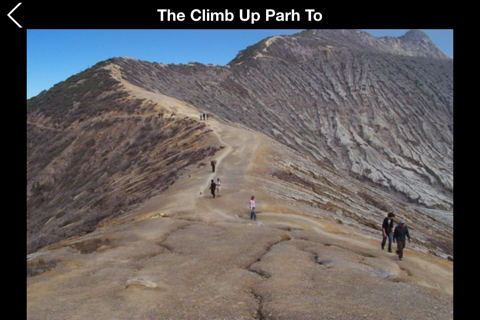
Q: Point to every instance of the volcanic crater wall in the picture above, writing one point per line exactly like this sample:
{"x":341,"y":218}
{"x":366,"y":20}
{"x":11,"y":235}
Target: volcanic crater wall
{"x":380,"y":110}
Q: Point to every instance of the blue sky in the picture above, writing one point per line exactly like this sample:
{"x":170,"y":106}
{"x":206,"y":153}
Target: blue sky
{"x":55,"y":55}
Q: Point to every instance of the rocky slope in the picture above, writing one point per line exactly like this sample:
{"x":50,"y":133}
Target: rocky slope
{"x":94,"y":152}
{"x":380,"y":110}
{"x":121,"y":224}
{"x":313,"y":253}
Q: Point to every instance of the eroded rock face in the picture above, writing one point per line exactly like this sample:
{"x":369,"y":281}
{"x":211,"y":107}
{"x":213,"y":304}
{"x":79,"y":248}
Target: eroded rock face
{"x":380,"y":110}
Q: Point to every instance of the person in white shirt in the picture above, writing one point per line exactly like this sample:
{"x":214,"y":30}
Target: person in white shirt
{"x":219,"y":187}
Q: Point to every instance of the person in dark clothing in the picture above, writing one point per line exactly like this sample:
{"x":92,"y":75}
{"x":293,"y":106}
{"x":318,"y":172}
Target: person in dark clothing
{"x":213,"y":163}
{"x":400,"y":234}
{"x":253,"y":215}
{"x":387,"y":229}
{"x":213,"y":186}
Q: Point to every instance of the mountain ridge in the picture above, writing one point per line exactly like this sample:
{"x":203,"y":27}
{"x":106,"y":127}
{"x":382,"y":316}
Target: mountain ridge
{"x":337,"y":107}
{"x":414,"y":43}
{"x":321,"y":80}
{"x":94,"y":152}
{"x":121,"y":222}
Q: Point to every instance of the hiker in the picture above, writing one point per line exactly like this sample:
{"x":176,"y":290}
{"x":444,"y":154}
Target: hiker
{"x":204,"y":117}
{"x":399,"y":235}
{"x":213,"y":163}
{"x":387,"y":229}
{"x":213,"y":186}
{"x":201,"y":116}
{"x":219,"y":187}
{"x":252,"y":208}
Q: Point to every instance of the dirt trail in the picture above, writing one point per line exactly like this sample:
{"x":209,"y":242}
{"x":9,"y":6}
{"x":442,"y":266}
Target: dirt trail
{"x":185,"y":255}
{"x":238,"y":146}
{"x":237,"y":165}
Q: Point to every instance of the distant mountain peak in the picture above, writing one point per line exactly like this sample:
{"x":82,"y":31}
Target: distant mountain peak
{"x":415,"y":35}
{"x":414,"y":43}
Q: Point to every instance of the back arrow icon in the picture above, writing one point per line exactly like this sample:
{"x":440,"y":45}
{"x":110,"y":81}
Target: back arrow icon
{"x":9,"y":15}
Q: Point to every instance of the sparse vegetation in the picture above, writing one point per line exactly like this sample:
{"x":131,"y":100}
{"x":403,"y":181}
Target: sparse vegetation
{"x":39,"y":266}
{"x":92,"y":169}
{"x":249,"y":51}
{"x":90,"y":143}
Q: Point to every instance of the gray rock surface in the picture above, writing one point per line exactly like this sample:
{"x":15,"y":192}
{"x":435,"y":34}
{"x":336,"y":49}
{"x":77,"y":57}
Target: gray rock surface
{"x":380,"y":110}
